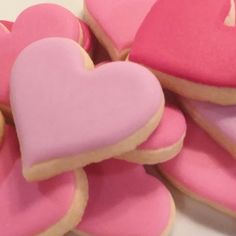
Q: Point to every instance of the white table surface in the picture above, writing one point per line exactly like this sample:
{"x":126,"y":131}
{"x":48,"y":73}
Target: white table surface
{"x":9,"y":9}
{"x":192,"y":218}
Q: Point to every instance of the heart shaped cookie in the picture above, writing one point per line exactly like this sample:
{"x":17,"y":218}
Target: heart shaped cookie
{"x":204,"y":171}
{"x":218,"y":121}
{"x":68,"y":114}
{"x":191,"y":47}
{"x":115,"y":23}
{"x":50,"y":207}
{"x":37,"y":22}
{"x":87,"y":38}
{"x":164,"y":143}
{"x":125,"y":200}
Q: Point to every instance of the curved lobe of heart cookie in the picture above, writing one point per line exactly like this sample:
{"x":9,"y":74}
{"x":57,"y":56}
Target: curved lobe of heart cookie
{"x":170,"y":130}
{"x":189,"y":40}
{"x":37,"y":22}
{"x":28,"y":209}
{"x":121,"y":19}
{"x":125,"y":197}
{"x":204,"y":169}
{"x":62,"y":109}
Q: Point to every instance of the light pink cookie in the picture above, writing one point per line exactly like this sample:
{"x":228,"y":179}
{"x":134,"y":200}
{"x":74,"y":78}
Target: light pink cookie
{"x":164,"y":143}
{"x":115,"y":23}
{"x":204,"y":171}
{"x":47,"y":208}
{"x":125,"y":200}
{"x":218,"y":121}
{"x":191,"y":47}
{"x":37,"y":22}
{"x":68,"y":114}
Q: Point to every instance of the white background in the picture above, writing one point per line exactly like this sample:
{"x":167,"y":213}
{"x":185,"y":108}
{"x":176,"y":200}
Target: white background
{"x":192,"y":218}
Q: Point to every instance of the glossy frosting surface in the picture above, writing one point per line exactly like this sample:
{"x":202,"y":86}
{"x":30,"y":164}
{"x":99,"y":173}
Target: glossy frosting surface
{"x":170,"y":130}
{"x":221,"y":117}
{"x":121,"y":19}
{"x":37,"y":22}
{"x":62,"y":109}
{"x":189,"y":40}
{"x":125,"y":200}
{"x":204,"y":169}
{"x":29,"y":208}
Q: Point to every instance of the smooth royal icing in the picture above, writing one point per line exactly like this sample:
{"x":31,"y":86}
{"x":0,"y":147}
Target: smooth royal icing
{"x":62,"y":109}
{"x":37,"y":22}
{"x":26,"y":208}
{"x":204,"y":169}
{"x":189,"y":39}
{"x":222,"y":117}
{"x":125,"y":200}
{"x":170,"y":130}
{"x":121,"y":19}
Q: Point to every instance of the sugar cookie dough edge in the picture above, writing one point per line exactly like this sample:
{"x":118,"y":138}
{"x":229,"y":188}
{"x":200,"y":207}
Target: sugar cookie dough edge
{"x":166,"y":230}
{"x":195,"y":196}
{"x":77,"y":208}
{"x":54,"y":167}
{"x":214,"y":132}
{"x":103,"y":38}
{"x":151,"y":157}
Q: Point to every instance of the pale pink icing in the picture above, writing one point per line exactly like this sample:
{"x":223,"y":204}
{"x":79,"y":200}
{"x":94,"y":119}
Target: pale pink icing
{"x":61,"y":109}
{"x":204,"y":169}
{"x":170,"y":130}
{"x":26,"y":208}
{"x":37,"y":22}
{"x":121,"y":19}
{"x":125,"y":200}
{"x":222,"y":117}
{"x":188,"y":39}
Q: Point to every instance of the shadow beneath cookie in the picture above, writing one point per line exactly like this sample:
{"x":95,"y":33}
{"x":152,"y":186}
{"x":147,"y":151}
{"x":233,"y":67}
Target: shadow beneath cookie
{"x":194,"y":218}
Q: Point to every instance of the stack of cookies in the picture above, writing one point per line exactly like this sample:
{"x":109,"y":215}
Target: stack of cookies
{"x":86,"y":103}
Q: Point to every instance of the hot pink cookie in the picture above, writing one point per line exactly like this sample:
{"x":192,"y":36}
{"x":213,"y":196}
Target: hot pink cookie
{"x":88,"y":39}
{"x":47,"y":208}
{"x":7,"y":24}
{"x":115,"y":23}
{"x":37,"y":22}
{"x":68,"y":114}
{"x":164,"y":143}
{"x":125,"y":200}
{"x":204,"y":171}
{"x":218,"y":121}
{"x":191,"y":48}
